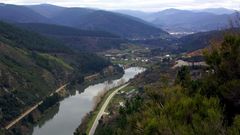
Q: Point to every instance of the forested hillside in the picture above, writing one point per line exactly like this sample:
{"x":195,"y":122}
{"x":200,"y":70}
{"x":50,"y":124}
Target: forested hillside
{"x":33,"y":66}
{"x":199,"y":40}
{"x":185,"y":106}
{"x":84,"y":40}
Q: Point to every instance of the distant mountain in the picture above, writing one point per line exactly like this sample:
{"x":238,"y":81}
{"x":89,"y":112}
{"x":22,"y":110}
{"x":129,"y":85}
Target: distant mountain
{"x":129,"y":24}
{"x":83,"y":40}
{"x":175,"y":20}
{"x":13,"y":13}
{"x":188,"y":21}
{"x":118,"y":24}
{"x":82,"y":18}
{"x":217,"y":11}
{"x":147,"y":16}
{"x":46,"y":10}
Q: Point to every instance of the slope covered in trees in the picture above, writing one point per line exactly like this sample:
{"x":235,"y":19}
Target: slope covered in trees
{"x":209,"y":105}
{"x":75,"y":38}
{"x":32,"y":66}
{"x":199,"y":40}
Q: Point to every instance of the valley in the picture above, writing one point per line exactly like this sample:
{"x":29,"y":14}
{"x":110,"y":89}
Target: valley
{"x":80,"y":70}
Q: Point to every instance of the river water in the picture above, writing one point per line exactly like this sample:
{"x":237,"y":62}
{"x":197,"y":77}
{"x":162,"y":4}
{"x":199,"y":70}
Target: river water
{"x":71,"y":110}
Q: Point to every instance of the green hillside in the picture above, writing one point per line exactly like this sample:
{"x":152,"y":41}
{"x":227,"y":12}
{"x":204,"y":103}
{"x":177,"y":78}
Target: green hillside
{"x":173,"y":102}
{"x":32,"y":66}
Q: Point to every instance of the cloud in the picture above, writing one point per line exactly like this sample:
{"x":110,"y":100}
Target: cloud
{"x":147,"y":5}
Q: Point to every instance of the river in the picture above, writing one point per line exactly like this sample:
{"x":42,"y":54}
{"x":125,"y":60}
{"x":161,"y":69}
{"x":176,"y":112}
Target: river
{"x":72,"y":109}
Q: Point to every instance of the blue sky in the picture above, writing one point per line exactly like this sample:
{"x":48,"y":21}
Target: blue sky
{"x":144,"y":5}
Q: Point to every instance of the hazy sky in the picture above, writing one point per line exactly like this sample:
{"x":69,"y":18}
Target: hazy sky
{"x":145,"y":5}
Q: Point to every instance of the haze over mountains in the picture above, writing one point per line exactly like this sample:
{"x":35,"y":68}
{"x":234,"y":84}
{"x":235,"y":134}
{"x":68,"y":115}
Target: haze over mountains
{"x":175,"y":20}
{"x":127,"y":24}
{"x":83,"y":18}
{"x":97,"y":30}
{"x":217,"y":11}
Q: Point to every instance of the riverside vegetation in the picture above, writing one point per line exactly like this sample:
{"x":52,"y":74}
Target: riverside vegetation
{"x":209,"y":105}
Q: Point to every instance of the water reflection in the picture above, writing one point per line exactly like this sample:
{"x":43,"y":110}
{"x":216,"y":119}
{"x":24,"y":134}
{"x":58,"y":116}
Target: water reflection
{"x":48,"y":115}
{"x":73,"y":108}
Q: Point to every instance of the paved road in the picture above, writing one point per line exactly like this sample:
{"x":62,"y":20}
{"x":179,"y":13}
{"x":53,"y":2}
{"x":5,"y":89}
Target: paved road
{"x":101,"y":112}
{"x":31,"y":109}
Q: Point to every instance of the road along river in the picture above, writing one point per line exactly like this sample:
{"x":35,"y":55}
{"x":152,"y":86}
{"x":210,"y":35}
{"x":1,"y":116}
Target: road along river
{"x":73,"y":108}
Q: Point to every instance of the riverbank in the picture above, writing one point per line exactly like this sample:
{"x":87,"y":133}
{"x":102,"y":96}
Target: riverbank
{"x":89,"y":119}
{"x":103,"y":108}
{"x":73,"y":108}
{"x":101,"y":79}
{"x":27,"y":112}
{"x":40,"y":110}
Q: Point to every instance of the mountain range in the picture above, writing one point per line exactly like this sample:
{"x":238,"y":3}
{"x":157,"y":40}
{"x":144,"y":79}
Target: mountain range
{"x":130,"y":24}
{"x":97,"y":30}
{"x":82,"y":18}
{"x":176,"y":20}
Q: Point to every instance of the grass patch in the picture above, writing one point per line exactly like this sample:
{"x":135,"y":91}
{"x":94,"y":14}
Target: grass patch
{"x":127,"y":89}
{"x":58,"y":60}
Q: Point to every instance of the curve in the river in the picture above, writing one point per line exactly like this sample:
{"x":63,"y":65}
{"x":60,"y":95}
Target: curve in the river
{"x":72,"y":109}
